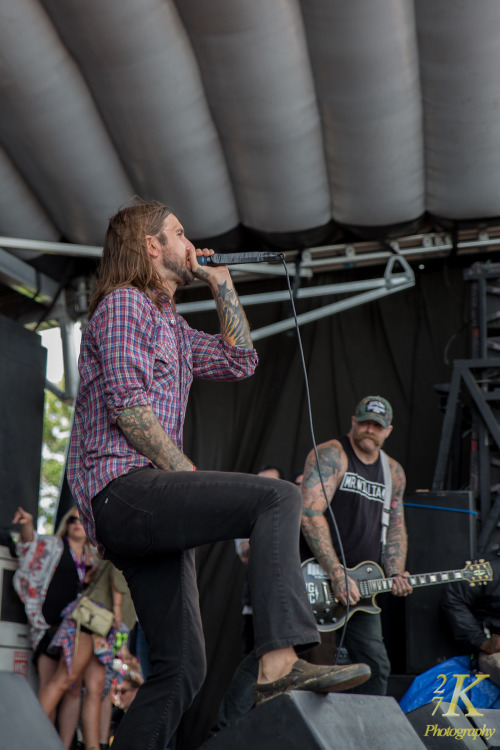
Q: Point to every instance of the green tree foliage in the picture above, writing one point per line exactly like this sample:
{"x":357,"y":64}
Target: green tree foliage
{"x":56,"y":428}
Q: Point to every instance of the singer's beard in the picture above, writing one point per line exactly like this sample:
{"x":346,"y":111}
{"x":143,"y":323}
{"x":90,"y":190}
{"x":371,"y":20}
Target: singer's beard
{"x":184,"y":275}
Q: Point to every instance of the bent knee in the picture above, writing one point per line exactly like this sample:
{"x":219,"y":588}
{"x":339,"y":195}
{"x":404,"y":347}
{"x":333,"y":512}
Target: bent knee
{"x":284,"y":492}
{"x":291,"y":497}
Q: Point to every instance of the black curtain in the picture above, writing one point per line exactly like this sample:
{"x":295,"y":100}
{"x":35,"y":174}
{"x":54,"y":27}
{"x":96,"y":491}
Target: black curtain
{"x":400,"y":347}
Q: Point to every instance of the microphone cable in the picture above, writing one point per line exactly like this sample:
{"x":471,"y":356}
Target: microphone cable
{"x":311,"y":430}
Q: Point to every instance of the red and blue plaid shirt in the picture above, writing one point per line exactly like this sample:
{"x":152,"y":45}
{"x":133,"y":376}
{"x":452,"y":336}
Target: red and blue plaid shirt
{"x":133,"y":355}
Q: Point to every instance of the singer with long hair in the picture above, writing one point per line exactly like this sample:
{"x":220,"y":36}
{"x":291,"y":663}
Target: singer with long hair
{"x":141,"y":499}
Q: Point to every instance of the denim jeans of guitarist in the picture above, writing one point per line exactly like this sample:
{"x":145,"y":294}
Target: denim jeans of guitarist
{"x":150,"y":521}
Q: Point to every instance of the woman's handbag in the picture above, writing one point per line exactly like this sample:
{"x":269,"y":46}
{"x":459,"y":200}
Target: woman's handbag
{"x":90,"y":615}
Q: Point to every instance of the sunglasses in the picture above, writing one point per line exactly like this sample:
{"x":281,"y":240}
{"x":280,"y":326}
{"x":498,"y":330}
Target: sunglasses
{"x":73,"y":519}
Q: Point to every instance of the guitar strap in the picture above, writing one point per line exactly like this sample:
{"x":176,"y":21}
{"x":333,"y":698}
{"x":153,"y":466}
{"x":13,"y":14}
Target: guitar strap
{"x":386,"y":510}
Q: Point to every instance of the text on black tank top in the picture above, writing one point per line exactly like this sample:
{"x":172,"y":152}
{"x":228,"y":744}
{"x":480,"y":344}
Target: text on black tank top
{"x":357,"y":506}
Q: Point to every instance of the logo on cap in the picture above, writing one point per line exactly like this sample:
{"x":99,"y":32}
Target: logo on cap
{"x":374,"y":408}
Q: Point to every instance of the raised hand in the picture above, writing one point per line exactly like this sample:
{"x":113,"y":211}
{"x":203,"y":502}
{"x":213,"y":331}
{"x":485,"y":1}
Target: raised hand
{"x":25,"y":521}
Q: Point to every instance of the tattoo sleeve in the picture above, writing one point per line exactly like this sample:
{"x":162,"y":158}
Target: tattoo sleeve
{"x":394,"y":555}
{"x":234,"y":325}
{"x":315,"y":528}
{"x":142,"y":429}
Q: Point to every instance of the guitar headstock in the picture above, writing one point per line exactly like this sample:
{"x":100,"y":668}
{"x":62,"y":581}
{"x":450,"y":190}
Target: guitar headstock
{"x":477,"y":572}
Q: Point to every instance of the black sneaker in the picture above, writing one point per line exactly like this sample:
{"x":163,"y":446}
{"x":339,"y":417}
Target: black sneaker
{"x":318,"y":679}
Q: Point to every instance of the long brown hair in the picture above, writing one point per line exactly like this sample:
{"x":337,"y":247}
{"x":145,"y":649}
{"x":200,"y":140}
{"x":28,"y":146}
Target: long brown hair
{"x":125,"y":260}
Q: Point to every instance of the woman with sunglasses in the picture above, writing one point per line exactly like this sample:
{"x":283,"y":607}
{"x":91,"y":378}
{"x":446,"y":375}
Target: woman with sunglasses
{"x":52,"y":571}
{"x":86,"y":654}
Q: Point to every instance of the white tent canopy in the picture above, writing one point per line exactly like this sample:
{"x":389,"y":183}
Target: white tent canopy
{"x":295,"y":122}
{"x":277,"y":114}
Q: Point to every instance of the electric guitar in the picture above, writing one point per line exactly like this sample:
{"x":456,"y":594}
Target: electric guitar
{"x":330,"y":614}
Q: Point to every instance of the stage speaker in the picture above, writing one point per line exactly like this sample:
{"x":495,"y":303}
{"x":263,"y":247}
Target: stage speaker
{"x":22,"y":385}
{"x":440,"y":732}
{"x":23,"y":724}
{"x":441,"y":536}
{"x":441,"y":529}
{"x":489,"y":719}
{"x":302,"y":720}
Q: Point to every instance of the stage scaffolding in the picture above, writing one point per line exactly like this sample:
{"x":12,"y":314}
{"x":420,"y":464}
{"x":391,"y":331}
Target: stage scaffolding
{"x":471,"y":427}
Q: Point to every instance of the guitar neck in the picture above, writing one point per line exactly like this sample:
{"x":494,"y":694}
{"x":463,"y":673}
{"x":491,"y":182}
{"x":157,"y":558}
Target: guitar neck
{"x":378,"y":585}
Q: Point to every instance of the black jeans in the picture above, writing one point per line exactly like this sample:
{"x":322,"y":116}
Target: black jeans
{"x":149,"y":521}
{"x":365,"y":643}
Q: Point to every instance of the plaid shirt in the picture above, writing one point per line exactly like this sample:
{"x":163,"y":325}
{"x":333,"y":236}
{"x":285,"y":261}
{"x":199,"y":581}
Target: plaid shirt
{"x":132,"y":355}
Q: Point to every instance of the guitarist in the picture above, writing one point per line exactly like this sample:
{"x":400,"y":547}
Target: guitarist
{"x":358,"y":478}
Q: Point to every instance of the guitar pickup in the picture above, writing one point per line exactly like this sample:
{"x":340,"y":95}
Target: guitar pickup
{"x":326,"y":594}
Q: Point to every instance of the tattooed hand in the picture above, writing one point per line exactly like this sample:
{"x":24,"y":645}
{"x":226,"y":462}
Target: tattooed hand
{"x":401,"y":586}
{"x":338,"y":579}
{"x":212,"y":275}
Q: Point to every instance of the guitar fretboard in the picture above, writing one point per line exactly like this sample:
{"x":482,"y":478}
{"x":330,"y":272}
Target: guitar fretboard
{"x":375,"y":586}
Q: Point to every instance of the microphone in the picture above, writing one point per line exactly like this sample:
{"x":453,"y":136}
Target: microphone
{"x":232,"y":259}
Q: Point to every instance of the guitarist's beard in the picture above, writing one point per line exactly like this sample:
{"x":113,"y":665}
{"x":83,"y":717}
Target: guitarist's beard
{"x":359,"y":437}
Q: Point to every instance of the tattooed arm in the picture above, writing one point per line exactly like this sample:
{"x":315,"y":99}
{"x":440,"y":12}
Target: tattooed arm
{"x":234,"y":326}
{"x":333,"y":464}
{"x":394,"y":555}
{"x":142,"y":429}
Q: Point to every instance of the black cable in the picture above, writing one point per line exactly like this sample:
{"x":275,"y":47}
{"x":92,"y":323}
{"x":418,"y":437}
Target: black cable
{"x":311,"y":429}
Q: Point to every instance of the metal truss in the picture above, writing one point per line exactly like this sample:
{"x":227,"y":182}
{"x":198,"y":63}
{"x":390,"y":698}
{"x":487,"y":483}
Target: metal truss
{"x":481,"y":390}
{"x":371,"y":289}
{"x":312,"y":260}
{"x":17,"y":273}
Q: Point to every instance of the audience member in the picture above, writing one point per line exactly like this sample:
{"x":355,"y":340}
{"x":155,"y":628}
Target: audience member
{"x":296,"y":477}
{"x":125,"y":693}
{"x":85,"y":655}
{"x":473,"y":613}
{"x":52,"y":570}
{"x":139,"y":647}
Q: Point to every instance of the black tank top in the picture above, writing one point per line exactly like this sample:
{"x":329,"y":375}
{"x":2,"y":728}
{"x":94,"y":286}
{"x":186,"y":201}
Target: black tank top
{"x":357,"y":506}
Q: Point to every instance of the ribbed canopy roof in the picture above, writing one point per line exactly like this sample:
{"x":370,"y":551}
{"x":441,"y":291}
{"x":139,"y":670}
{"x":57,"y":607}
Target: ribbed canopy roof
{"x":290,"y":118}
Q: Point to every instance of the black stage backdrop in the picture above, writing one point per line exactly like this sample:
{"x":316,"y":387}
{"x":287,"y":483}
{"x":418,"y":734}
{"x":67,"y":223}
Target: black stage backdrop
{"x":399,"y":347}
